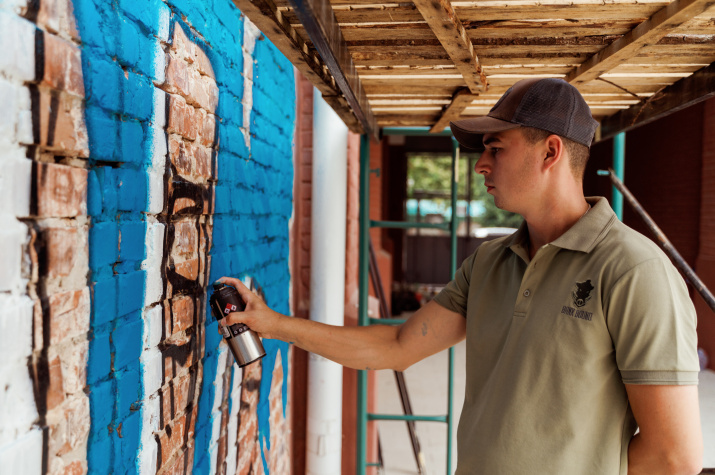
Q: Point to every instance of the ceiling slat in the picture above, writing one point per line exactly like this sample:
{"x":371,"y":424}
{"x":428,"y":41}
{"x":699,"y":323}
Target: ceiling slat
{"x":648,"y":32}
{"x":684,"y":93}
{"x":461,"y":101}
{"x":440,"y":16}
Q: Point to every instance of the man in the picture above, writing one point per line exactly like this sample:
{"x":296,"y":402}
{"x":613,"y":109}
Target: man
{"x":579,"y":330}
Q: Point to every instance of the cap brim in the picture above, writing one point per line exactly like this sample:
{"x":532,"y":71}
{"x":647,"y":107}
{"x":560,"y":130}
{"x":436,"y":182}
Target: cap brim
{"x":469,"y":132}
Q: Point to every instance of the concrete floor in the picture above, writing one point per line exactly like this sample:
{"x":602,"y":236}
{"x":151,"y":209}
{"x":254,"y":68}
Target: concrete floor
{"x":427,"y":383}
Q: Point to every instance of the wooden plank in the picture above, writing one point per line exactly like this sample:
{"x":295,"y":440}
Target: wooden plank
{"x":447,"y":27}
{"x":684,"y":93}
{"x":461,"y":101}
{"x":264,"y":15}
{"x":319,"y":21}
{"x":648,"y":32}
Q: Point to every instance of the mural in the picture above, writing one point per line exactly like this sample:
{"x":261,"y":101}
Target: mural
{"x":161,"y":145}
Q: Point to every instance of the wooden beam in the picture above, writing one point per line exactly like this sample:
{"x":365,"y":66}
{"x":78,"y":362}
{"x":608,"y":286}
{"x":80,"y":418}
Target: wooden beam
{"x":649,"y":32}
{"x":440,"y":16}
{"x":684,"y":93}
{"x":264,"y":14}
{"x":319,"y":21}
{"x":460,"y":101}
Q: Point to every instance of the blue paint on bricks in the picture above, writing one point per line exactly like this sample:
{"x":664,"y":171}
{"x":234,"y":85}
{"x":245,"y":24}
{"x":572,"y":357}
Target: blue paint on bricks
{"x":133,"y":242}
{"x":101,"y":417}
{"x":102,"y":130}
{"x":99,"y":366}
{"x":127,"y":342}
{"x":138,"y":96}
{"x":130,"y":292}
{"x":104,"y":300}
{"x":105,"y":250}
{"x":128,"y":389}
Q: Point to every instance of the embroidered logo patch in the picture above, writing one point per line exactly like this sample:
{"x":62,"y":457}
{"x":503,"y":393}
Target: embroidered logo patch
{"x":580,"y":295}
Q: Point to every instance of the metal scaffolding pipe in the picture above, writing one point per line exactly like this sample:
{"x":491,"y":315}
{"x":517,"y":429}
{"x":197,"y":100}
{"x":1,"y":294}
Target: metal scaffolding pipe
{"x":662,"y":240}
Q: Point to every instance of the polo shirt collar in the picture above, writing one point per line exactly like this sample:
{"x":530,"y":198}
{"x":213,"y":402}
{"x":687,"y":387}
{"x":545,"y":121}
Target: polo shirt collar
{"x":582,"y":236}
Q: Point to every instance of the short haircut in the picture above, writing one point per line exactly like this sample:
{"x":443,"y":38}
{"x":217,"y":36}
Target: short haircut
{"x":578,"y":153}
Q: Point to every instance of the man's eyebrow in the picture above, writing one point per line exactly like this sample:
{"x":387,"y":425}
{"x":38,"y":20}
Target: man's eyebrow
{"x":490,"y":140}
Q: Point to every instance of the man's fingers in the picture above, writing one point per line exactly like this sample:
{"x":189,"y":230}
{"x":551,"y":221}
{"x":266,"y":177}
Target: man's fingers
{"x":243,"y":291}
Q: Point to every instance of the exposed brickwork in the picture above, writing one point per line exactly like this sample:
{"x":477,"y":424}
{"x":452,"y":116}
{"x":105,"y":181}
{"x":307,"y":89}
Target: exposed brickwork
{"x":300,"y":260}
{"x":109,"y":146}
{"x":705,"y":264}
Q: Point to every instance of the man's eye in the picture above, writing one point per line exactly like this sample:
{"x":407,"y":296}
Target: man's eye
{"x":495,"y":150}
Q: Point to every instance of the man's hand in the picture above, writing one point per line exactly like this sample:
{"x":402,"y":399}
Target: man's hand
{"x":431,"y":329}
{"x":257,"y":315}
{"x":670,"y":439}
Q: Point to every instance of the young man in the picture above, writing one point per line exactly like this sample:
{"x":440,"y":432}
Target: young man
{"x":579,"y":330}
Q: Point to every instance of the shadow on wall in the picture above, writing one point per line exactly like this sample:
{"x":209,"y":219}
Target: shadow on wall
{"x":172,"y":210}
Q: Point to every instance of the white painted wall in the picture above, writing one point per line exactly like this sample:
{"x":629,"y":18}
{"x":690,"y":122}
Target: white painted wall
{"x":327,"y":285}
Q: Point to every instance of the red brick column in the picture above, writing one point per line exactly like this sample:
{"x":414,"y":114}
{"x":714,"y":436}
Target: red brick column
{"x":705,"y":264}
{"x":300,"y":261}
{"x":58,"y":250}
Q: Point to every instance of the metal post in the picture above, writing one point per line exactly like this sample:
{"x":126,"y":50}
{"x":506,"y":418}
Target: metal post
{"x":453,"y":270}
{"x":363,"y":272}
{"x":619,"y":168}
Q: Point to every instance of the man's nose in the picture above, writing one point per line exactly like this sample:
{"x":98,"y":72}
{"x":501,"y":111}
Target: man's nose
{"x":481,"y":166}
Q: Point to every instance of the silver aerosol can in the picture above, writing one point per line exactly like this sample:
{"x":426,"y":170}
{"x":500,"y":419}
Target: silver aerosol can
{"x":244,"y":343}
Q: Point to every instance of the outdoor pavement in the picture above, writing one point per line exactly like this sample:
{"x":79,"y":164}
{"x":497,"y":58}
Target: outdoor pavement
{"x":427,"y":386}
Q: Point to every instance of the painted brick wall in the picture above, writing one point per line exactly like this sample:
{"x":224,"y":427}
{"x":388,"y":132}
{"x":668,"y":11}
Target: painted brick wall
{"x":147,"y":151}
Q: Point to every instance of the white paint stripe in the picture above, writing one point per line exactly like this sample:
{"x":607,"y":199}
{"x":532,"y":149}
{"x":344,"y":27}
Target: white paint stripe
{"x":151,"y":359}
{"x":250,"y":35}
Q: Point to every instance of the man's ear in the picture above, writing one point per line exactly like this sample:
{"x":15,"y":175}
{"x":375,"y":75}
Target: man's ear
{"x":554,"y":148}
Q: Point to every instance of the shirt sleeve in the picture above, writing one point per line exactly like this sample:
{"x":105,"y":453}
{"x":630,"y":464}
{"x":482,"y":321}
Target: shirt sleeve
{"x":652,"y":321}
{"x":454,"y":296}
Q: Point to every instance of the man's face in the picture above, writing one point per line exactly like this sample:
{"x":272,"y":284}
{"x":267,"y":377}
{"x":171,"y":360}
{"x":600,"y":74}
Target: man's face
{"x":510,"y":166}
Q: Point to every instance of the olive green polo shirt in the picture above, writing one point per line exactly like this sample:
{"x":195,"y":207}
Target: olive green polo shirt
{"x":552,"y":340}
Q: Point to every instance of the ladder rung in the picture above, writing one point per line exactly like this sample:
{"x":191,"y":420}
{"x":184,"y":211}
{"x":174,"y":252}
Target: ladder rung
{"x":387,"y":321}
{"x":405,"y":417}
{"x":408,"y":225}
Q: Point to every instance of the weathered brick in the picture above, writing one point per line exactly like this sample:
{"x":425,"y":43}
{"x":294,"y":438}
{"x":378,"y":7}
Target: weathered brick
{"x":203,"y":91}
{"x":63,"y":65}
{"x":61,"y":190}
{"x":62,"y":125}
{"x":180,"y":156}
{"x":176,"y":397}
{"x":172,"y":439}
{"x":177,"y":75}
{"x":178,"y":356}
{"x":182,"y":314}
{"x":183,"y":119}
{"x":63,"y":248}
{"x":68,"y":314}
{"x":55,"y":390}
{"x":181,"y":45}
{"x":58,"y":16}
{"x":68,"y":425}
{"x":208,"y":131}
{"x":188,"y":269}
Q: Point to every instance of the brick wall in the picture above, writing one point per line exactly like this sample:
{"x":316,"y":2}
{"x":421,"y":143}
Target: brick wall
{"x":705,"y":264}
{"x":147,"y":151}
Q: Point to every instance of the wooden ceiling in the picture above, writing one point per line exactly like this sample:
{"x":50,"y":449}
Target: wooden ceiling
{"x":426,"y":62}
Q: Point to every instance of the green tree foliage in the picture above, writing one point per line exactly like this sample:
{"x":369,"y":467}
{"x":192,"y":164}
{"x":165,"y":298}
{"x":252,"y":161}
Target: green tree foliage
{"x":430,"y":175}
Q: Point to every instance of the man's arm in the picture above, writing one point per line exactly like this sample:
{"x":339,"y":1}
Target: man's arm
{"x":430,"y":330}
{"x":669,"y":439}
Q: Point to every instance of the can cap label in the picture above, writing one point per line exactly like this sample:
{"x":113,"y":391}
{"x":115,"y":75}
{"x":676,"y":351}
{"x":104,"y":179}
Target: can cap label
{"x":229,"y":308}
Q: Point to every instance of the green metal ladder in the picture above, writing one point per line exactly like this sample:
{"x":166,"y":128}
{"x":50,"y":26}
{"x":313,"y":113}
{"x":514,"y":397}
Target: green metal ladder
{"x":363,"y":320}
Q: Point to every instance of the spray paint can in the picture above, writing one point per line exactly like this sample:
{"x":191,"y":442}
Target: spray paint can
{"x":244,"y":343}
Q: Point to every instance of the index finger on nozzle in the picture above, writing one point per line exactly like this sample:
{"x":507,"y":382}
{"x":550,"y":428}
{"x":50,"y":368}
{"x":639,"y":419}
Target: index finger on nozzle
{"x":240,"y":286}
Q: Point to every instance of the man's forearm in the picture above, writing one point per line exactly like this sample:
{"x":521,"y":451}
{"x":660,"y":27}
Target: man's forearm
{"x":373,"y":347}
{"x":647,"y":460}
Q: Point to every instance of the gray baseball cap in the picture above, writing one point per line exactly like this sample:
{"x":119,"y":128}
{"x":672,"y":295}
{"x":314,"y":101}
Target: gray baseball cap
{"x":549,"y":104}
